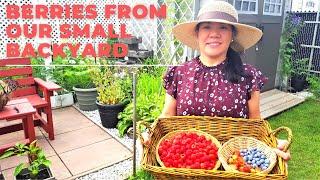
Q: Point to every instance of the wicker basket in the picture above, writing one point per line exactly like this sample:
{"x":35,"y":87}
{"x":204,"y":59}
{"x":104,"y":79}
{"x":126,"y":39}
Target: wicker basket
{"x":243,"y":142}
{"x":3,"y":101}
{"x":221,"y":128}
{"x":171,"y":134}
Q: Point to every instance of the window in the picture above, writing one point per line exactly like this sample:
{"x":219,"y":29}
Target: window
{"x":310,"y":4}
{"x":245,"y":6}
{"x":272,"y":7}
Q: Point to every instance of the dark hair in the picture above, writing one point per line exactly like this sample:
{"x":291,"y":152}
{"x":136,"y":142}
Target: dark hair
{"x":233,"y":68}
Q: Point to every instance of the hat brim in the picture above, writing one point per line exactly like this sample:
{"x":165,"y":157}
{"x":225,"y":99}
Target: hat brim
{"x":246,"y":35}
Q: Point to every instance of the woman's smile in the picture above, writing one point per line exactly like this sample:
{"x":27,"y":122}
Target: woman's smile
{"x":213,"y":44}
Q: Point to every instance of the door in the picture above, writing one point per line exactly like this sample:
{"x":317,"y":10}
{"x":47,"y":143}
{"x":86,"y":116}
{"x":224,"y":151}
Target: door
{"x":264,"y":55}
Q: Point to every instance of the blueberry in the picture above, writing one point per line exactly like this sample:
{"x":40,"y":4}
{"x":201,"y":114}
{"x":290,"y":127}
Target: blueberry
{"x":249,"y":162}
{"x":253,"y":161}
{"x":263,"y":156}
{"x":250,"y":157}
{"x":245,"y":158}
{"x":258,"y":163}
{"x":254,"y":166}
{"x":267,"y":161}
{"x":263,"y":168}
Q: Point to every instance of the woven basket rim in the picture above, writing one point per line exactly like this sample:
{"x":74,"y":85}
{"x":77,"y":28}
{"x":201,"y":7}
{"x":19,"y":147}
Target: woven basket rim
{"x":172,"y":133}
{"x":236,"y":140}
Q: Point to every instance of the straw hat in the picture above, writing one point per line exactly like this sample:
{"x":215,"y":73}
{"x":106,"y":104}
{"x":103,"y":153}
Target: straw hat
{"x":223,"y":12}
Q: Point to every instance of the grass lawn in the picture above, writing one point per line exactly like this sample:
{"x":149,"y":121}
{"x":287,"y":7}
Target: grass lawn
{"x":304,"y":121}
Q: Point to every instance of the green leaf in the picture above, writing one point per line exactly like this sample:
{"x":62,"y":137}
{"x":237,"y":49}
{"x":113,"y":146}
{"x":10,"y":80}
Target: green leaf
{"x":18,"y":169}
{"x":7,"y":154}
{"x":47,"y":163}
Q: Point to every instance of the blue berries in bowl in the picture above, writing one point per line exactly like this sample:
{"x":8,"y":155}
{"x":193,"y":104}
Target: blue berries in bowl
{"x":253,"y":153}
{"x":255,"y":158}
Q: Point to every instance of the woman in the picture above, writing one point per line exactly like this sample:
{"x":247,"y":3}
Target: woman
{"x":216,"y":83}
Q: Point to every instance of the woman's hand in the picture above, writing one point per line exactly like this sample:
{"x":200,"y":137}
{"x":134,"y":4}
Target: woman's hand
{"x":279,"y":150}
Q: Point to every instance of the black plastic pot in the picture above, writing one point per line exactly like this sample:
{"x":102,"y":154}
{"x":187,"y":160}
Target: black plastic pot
{"x":45,"y":173}
{"x":109,"y":113}
{"x":1,"y":177}
{"x":298,"y":82}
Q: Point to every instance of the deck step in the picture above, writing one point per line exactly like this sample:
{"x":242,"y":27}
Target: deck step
{"x":275,"y":101}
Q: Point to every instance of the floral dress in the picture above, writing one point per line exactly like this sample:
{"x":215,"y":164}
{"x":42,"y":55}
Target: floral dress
{"x":202,"y":91}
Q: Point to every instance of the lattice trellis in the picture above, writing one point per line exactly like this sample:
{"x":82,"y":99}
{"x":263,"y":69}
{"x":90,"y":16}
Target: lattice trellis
{"x":304,"y":41}
{"x":156,"y":33}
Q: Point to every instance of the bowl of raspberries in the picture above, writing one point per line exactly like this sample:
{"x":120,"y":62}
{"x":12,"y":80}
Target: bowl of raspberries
{"x":191,"y":149}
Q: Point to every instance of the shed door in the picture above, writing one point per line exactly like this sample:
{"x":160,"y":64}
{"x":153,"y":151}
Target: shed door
{"x":264,"y":55}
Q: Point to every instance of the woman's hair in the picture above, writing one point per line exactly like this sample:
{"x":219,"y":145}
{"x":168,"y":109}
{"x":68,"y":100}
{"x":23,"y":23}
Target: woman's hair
{"x":233,"y":68}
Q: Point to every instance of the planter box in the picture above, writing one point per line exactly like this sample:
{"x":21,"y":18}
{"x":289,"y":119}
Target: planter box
{"x":59,"y":101}
{"x":45,"y":174}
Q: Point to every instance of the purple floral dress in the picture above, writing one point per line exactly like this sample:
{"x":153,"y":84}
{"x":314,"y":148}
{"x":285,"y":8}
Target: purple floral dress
{"x":202,"y":91}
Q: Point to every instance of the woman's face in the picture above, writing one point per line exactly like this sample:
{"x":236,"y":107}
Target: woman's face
{"x":214,"y":39}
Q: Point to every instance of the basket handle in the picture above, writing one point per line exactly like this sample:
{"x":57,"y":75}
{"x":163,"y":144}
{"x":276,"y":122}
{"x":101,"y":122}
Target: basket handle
{"x":148,"y":126}
{"x":289,"y":132}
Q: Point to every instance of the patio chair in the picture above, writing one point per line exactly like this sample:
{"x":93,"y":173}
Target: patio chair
{"x":30,"y":88}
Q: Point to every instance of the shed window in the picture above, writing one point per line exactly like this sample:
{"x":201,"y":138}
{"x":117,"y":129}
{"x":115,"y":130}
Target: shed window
{"x":245,"y":6}
{"x":272,"y":7}
{"x":310,"y":4}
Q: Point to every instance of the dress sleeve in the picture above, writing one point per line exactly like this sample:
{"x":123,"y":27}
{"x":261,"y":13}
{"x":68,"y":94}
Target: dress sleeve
{"x":256,"y":80}
{"x":170,"y":81}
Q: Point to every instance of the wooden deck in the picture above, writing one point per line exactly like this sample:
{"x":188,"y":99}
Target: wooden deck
{"x":275,"y":101}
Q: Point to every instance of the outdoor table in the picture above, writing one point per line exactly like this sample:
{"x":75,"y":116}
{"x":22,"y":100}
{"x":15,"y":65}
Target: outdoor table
{"x":19,"y":109}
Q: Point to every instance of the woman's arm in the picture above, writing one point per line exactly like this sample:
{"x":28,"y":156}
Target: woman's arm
{"x":254,"y":105}
{"x":170,"y":107}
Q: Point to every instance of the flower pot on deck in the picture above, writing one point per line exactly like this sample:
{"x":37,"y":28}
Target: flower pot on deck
{"x":1,"y":176}
{"x":44,"y":173}
{"x":86,"y":98}
{"x":109,"y":113}
{"x":298,"y":82}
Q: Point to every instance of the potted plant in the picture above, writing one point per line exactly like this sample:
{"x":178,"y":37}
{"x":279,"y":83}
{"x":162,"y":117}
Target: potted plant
{"x":112,"y":96}
{"x":37,"y":166}
{"x":7,"y":86}
{"x":299,"y":74}
{"x":76,"y":78}
{"x":292,"y":27}
{"x":1,"y":174}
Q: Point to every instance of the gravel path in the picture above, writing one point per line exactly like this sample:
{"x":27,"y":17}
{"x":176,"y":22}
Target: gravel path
{"x":121,"y":170}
